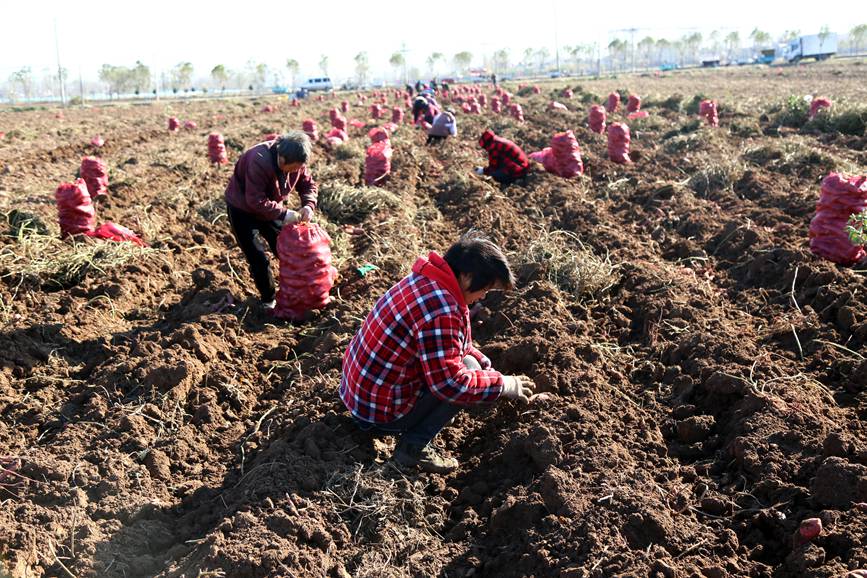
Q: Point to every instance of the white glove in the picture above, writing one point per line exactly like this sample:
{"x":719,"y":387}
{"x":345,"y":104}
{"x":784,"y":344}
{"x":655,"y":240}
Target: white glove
{"x":518,"y":387}
{"x":291,"y":217}
{"x":305,"y":214}
{"x":479,"y":170}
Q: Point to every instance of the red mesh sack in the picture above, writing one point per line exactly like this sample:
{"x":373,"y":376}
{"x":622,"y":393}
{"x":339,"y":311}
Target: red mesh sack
{"x":597,"y":119}
{"x":377,"y":163}
{"x":190,"y":125}
{"x":567,"y":154}
{"x":637,"y":114}
{"x":306,"y":273}
{"x":338,"y":133}
{"x":707,"y":110}
{"x":338,"y":121}
{"x":295,"y":102}
{"x":96,"y":141}
{"x":74,"y":208}
{"x":517,"y":112}
{"x":344,"y":106}
{"x":309,"y":126}
{"x":818,"y":104}
{"x":95,"y":175}
{"x":618,"y":143}
{"x":633,"y":104}
{"x":613,"y":102}
{"x":483,"y":100}
{"x":536,"y":89}
{"x":567,"y":93}
{"x":114,"y":232}
{"x":390,"y":127}
{"x":217,"y":148}
{"x":546,"y":157}
{"x":174,"y":123}
{"x":507,"y":98}
{"x":267,"y":108}
{"x":397,"y":115}
{"x":355,"y":123}
{"x":377,"y":134}
{"x":466,"y":107}
{"x":554,"y":105}
{"x":840,"y":198}
{"x":320,"y":98}
{"x":496,"y":105}
{"x":376,"y":111}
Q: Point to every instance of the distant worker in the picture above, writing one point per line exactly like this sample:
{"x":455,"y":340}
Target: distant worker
{"x":424,"y":109}
{"x":412,"y":365}
{"x":264,"y":176}
{"x":443,"y":126}
{"x":418,"y":86}
{"x":494,"y":79}
{"x":506,"y":161}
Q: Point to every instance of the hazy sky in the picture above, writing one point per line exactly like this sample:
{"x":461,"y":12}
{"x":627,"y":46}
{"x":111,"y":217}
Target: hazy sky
{"x":162,"y":33}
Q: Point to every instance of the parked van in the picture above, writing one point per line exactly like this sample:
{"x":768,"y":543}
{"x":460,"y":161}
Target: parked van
{"x":321,"y":83}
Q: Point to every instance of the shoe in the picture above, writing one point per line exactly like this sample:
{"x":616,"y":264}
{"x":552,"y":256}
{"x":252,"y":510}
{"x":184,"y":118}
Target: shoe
{"x":426,"y":458}
{"x":269,"y":305}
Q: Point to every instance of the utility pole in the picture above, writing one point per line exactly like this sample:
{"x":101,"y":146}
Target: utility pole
{"x":403,"y":52}
{"x":59,"y":68}
{"x":81,"y":85}
{"x":556,"y":44}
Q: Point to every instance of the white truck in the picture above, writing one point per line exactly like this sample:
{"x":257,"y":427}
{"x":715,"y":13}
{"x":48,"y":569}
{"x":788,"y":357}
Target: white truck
{"x":818,"y":46}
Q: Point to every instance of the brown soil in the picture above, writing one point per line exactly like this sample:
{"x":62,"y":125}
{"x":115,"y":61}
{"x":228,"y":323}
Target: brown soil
{"x":159,"y":424}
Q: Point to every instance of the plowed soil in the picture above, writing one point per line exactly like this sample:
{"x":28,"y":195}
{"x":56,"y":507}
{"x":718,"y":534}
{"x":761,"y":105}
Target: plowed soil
{"x":155,"y":422}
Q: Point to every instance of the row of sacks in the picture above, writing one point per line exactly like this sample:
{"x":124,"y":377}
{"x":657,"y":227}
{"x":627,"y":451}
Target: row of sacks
{"x":563,"y":157}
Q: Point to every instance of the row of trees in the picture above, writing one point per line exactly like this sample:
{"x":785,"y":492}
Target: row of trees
{"x":620,"y":54}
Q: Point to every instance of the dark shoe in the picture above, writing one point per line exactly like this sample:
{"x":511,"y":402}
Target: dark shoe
{"x":425,"y":458}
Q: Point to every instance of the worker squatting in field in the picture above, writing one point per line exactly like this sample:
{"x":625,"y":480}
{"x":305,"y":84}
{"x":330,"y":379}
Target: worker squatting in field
{"x":412,"y":365}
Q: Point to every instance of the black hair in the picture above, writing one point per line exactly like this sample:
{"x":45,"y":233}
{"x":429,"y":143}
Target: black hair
{"x":479,"y":257}
{"x":294,"y":146}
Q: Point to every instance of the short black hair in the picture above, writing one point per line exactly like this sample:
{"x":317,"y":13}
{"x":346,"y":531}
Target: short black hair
{"x":479,"y":257}
{"x":294,"y":146}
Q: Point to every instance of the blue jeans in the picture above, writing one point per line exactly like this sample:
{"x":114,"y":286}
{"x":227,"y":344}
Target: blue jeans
{"x":424,"y":421}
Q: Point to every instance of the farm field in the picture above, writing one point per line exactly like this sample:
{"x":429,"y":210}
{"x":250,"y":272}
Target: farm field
{"x":708,"y":372}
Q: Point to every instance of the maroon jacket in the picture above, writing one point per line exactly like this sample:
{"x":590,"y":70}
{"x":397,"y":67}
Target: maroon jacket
{"x":259,"y":187}
{"x":504,"y":154}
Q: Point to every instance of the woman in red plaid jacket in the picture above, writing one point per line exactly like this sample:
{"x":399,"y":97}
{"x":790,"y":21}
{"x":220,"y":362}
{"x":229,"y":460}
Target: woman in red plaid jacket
{"x":506,"y":161}
{"x":412,"y":366}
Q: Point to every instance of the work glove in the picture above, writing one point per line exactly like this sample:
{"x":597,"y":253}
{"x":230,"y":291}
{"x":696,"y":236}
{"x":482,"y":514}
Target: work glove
{"x":291,"y":217}
{"x":518,"y":387}
{"x":305,"y":214}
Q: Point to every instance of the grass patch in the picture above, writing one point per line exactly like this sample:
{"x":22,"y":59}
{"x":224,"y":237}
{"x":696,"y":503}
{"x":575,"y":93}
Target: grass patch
{"x":392,"y":515}
{"x":566,"y":262}
{"x":53,"y":263}
{"x":714,"y":178}
{"x":343,"y":203}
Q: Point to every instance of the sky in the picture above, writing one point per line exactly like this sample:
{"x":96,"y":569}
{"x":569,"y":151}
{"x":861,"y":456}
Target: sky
{"x":162,"y":33}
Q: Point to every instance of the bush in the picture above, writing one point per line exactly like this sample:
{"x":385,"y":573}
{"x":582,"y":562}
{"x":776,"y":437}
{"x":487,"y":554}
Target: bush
{"x":343,"y":203}
{"x":794,"y":113}
{"x":578,"y":271}
{"x":693,"y":105}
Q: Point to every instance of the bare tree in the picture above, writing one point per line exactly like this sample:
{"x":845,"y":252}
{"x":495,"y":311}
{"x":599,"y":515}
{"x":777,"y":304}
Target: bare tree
{"x":462,"y":61}
{"x":362,"y":67}
{"x":292,"y":66}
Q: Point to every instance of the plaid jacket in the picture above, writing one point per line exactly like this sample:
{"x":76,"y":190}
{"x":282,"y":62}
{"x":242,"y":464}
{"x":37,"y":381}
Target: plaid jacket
{"x":416,"y":337}
{"x":503,"y":154}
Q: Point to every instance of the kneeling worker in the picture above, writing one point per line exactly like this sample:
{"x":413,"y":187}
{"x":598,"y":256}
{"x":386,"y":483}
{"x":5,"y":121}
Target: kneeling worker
{"x":412,"y":366}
